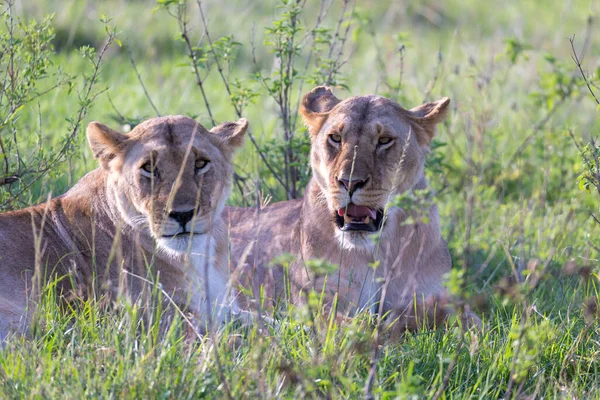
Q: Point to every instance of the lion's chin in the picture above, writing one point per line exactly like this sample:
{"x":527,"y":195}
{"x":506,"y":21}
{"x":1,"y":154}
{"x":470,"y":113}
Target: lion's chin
{"x":361,"y":241}
{"x":183,"y":244}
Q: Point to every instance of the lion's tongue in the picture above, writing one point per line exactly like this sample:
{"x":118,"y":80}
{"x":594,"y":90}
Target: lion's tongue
{"x":357,"y":212}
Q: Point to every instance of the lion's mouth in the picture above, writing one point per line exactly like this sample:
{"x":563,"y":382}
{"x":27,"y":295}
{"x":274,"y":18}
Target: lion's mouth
{"x":178,"y":234}
{"x":182,"y":234}
{"x":359,"y":218}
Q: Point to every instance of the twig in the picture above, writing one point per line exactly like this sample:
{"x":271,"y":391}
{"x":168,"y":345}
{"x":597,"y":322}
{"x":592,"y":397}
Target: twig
{"x":562,"y":99}
{"x":575,"y":141}
{"x":577,"y":62}
{"x":594,"y":217}
{"x":214,"y":52}
{"x":6,"y":165}
{"x":7,"y":180}
{"x":537,"y":127}
{"x":451,"y":366}
{"x":322,"y":14}
{"x":368,"y":389}
{"x":228,"y":89}
{"x":347,"y":201}
{"x":519,"y":341}
{"x":596,"y":183}
{"x":192,"y":54}
{"x":337,"y":29}
{"x":597,"y":162}
{"x":13,"y":78}
{"x":433,"y":82}
{"x":323,"y":11}
{"x":470,"y":204}
{"x":572,"y":350}
{"x":525,"y":315}
{"x":170,"y":299}
{"x":121,"y":117}
{"x":401,"y":51}
{"x":141,"y":81}
{"x":262,"y":156}
{"x":335,"y":66}
{"x":285,"y":107}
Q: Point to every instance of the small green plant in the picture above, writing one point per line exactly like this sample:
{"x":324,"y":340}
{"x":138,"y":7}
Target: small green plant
{"x":589,"y":179}
{"x":26,"y":52}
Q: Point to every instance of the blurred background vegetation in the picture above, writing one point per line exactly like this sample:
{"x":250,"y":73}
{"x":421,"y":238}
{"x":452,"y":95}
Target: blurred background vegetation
{"x":517,"y":199}
{"x":502,"y":71}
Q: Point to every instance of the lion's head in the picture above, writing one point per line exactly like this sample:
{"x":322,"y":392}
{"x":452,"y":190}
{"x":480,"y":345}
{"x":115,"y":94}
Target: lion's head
{"x":364,"y":150}
{"x":169,"y":175}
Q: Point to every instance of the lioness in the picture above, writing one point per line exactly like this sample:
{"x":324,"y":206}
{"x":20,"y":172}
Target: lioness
{"x":365,"y":151}
{"x":152,"y":209}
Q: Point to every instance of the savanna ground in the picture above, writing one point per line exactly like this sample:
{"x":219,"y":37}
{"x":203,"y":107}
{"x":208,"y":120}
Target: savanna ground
{"x":513,"y":168}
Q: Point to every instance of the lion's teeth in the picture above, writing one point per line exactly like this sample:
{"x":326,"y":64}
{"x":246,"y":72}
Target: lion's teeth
{"x":353,"y":220}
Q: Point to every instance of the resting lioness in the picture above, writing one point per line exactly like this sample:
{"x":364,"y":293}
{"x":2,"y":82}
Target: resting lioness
{"x":150,"y":210}
{"x":365,"y":151}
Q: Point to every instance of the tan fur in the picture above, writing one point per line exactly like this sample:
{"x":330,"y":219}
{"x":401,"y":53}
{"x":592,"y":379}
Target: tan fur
{"x":116,"y":218}
{"x":410,"y":258}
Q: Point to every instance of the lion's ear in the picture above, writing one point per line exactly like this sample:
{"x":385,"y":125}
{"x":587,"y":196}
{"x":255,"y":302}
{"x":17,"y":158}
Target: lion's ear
{"x":315,"y":107}
{"x":104,"y":142}
{"x":427,"y":116}
{"x":231,"y":133}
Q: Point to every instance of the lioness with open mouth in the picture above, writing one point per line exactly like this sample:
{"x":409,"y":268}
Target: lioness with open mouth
{"x":365,"y":151}
{"x":152,"y":209}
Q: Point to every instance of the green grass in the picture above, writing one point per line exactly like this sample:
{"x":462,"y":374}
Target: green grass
{"x":503,"y":201}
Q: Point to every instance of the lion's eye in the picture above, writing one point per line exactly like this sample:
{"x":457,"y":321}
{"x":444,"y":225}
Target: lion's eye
{"x":335,"y":138}
{"x":201,"y":164}
{"x":150,"y":169}
{"x":385,"y":140}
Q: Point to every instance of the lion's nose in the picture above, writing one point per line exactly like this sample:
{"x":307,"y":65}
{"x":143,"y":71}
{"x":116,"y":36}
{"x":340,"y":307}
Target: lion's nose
{"x":183,"y":217}
{"x":354,"y":185}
